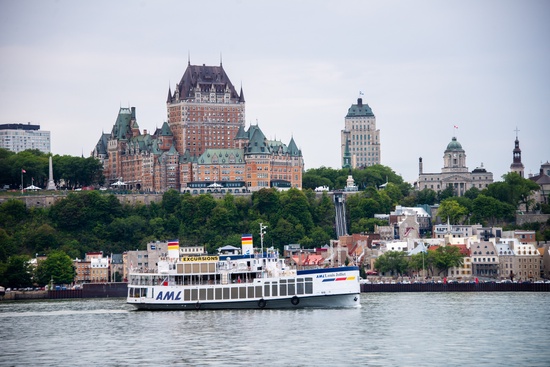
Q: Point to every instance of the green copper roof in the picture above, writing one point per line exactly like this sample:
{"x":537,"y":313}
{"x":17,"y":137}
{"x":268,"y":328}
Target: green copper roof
{"x":359,"y":109}
{"x":221,"y":156}
{"x":165,"y":130}
{"x":454,"y":145}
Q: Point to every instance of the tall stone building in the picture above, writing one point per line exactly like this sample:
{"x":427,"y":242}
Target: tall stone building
{"x":454,"y":173}
{"x":204,"y":147}
{"x":360,"y":139}
{"x":517,"y":165}
{"x":205,"y":111}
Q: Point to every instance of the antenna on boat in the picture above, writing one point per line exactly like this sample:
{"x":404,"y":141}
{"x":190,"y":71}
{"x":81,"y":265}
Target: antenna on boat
{"x":262,"y":232}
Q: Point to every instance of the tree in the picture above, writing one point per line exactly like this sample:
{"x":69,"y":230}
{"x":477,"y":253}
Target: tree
{"x":450,"y":210}
{"x":446,"y":257}
{"x":515,"y":190}
{"x":392,"y":262}
{"x":18,"y":273}
{"x":491,"y":210}
{"x":58,"y":267}
{"x":446,"y":193}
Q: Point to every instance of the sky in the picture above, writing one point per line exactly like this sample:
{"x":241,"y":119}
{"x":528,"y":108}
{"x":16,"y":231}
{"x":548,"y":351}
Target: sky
{"x":423,"y":67}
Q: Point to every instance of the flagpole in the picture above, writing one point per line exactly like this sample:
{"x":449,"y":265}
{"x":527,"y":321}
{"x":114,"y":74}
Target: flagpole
{"x":22,"y":181}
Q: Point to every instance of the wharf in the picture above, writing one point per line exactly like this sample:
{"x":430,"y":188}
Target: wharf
{"x":89,"y":290}
{"x":456,"y":287}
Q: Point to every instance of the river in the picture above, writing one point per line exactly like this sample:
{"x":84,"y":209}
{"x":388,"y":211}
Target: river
{"x":390,"y":329}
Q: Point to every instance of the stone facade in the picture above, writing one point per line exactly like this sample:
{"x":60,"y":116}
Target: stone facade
{"x":360,"y":139}
{"x":204,"y":144}
{"x":454,"y":173}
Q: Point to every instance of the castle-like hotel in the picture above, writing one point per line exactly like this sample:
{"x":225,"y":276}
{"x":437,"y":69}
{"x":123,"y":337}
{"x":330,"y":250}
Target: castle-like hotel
{"x":203,"y":146}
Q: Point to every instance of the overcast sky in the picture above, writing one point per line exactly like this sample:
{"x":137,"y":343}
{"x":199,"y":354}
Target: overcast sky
{"x":423,"y":66}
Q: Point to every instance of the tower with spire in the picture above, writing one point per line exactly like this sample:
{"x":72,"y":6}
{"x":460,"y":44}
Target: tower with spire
{"x":517,"y":165}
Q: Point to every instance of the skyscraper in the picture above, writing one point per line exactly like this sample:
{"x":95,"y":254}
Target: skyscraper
{"x":360,"y":139}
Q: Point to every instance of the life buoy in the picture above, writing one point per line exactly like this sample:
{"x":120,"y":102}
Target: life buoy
{"x":197,"y":306}
{"x":261,"y":303}
{"x":295,"y":300}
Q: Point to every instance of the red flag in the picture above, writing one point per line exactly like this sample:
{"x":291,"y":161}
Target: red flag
{"x":22,"y":170}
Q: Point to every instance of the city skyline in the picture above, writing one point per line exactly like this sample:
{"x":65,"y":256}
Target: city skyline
{"x":423,"y":68}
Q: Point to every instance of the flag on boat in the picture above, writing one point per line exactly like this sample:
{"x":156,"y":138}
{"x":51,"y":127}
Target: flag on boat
{"x":165,"y":282}
{"x":246,"y":241}
{"x":174,"y":249}
{"x":172,"y":245}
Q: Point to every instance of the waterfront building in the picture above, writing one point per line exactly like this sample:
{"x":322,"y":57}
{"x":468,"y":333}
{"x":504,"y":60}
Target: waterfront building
{"x":360,"y":139}
{"x":20,"y":137}
{"x":454,"y":173}
{"x":485,"y":260}
{"x":100,"y":270}
{"x":507,"y":261}
{"x":528,"y":259}
{"x":82,"y":268}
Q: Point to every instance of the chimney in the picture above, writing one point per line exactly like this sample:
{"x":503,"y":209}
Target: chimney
{"x":360,"y":102}
{"x":420,"y":165}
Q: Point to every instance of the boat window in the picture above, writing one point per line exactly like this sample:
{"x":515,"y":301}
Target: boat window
{"x":226,"y":293}
{"x":274,"y":290}
{"x":291,"y":289}
{"x":266,"y":288}
{"x":218,"y":293}
{"x":194,"y":295}
{"x":259,"y":291}
{"x":242,"y":292}
{"x":309,"y":287}
{"x":300,"y":288}
{"x":282,"y":289}
{"x":250,"y":292}
{"x":234,"y":293}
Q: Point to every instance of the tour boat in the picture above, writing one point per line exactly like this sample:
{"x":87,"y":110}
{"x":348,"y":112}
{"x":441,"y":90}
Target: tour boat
{"x":231,"y":280}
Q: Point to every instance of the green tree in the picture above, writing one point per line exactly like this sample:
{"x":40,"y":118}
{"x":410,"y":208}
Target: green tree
{"x":18,"y":272}
{"x":491,"y":210}
{"x":446,"y":257}
{"x":394,"y":262}
{"x":446,"y":193}
{"x":450,"y":210}
{"x":58,"y":267}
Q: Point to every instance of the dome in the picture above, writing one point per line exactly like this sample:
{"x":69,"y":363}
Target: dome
{"x":454,"y":145}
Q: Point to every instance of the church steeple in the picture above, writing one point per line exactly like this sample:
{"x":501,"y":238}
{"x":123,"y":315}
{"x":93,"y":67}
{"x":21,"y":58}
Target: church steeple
{"x":516,"y":165}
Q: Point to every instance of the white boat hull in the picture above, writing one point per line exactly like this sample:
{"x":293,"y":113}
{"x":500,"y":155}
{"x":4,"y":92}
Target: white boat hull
{"x":324,"y":301}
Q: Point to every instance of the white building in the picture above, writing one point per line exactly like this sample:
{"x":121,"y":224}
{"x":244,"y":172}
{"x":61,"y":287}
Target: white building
{"x":20,"y":137}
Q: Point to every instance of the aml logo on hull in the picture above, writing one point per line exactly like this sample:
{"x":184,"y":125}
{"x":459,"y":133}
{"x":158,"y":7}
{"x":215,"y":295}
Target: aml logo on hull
{"x":168,"y":296}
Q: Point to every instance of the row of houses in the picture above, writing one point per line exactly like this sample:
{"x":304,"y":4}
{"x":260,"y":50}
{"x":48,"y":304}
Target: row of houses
{"x":488,"y":253}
